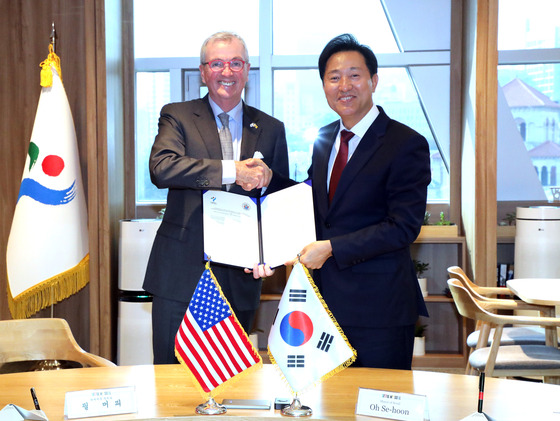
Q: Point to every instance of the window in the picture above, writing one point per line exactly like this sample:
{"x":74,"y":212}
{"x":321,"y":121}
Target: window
{"x":413,"y":59}
{"x":370,"y":27}
{"x":528,"y":26}
{"x":528,"y":100}
{"x":177,"y":28}
{"x":152,"y":93}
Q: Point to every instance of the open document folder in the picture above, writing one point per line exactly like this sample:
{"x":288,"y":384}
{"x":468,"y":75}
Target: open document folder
{"x":241,"y":231}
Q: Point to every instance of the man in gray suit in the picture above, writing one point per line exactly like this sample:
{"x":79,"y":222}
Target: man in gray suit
{"x":199,"y":149}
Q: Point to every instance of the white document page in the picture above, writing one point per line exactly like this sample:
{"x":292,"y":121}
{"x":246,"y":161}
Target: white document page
{"x":288,"y":223}
{"x":230,"y":228}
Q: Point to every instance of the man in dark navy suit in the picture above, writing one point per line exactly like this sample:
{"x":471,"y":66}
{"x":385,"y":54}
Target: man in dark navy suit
{"x":369,"y":195}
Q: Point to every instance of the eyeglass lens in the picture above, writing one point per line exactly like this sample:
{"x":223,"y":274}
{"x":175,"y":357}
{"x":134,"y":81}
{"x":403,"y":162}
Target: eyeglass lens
{"x":234,"y":65}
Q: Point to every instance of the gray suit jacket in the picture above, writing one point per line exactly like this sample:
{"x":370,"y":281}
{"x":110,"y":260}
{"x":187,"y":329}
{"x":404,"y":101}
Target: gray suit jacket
{"x":186,"y":159}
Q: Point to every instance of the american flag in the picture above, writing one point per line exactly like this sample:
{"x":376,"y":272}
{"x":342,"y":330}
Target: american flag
{"x":210,"y":341}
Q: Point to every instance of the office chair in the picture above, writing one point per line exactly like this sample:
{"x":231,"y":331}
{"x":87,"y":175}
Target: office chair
{"x":42,"y":344}
{"x":509,"y":360}
{"x":483,"y":334}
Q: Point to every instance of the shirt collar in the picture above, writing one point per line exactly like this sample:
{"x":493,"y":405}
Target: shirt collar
{"x":235,"y":113}
{"x":363,"y":125}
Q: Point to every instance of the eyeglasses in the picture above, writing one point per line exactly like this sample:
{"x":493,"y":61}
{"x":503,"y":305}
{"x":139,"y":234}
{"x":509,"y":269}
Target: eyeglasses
{"x":218,"y":65}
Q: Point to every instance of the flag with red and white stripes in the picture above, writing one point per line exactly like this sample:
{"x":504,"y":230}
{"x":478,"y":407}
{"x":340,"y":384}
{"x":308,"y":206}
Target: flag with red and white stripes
{"x":210,"y":341}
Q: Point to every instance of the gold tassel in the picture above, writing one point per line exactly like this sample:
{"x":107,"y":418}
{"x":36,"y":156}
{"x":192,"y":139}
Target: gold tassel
{"x":46,"y":70}
{"x":50,"y":291}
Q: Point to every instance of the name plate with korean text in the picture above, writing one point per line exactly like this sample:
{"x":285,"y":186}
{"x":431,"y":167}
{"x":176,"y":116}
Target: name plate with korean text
{"x":100,"y":402}
{"x":392,"y":405}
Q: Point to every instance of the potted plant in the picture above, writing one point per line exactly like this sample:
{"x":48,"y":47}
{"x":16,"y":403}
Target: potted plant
{"x":510,"y":218}
{"x":426,"y":218}
{"x":420,"y":268}
{"x":443,"y":220}
{"x":419,"y":339}
{"x":506,"y":227}
{"x":442,"y":228}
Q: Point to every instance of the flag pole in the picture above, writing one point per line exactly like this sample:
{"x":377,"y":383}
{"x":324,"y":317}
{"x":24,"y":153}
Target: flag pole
{"x":53,"y":38}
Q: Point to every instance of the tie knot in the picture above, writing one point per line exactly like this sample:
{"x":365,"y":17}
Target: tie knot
{"x":345,"y":136}
{"x":224,"y":118}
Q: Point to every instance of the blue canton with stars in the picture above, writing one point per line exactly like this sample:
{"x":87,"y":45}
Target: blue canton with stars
{"x":207,"y":306}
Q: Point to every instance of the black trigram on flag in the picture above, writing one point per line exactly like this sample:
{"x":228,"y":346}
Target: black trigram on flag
{"x":325,"y":342}
{"x":296,"y":361}
{"x":298,"y":295}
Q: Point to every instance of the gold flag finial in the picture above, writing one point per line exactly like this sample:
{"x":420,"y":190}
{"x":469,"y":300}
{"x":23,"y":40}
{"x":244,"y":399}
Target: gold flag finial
{"x":53,"y":37}
{"x":52,"y":59}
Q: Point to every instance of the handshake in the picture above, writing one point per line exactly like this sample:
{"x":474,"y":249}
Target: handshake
{"x":252,"y":173}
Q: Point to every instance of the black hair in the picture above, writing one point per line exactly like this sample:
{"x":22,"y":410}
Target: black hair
{"x":347,"y":42}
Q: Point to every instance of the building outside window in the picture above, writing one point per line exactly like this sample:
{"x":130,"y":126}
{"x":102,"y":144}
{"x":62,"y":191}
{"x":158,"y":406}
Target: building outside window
{"x":529,"y":114}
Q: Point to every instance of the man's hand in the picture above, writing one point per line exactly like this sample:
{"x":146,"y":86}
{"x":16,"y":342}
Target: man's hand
{"x":252,"y":174}
{"x":260,"y":271}
{"x":314,"y":255}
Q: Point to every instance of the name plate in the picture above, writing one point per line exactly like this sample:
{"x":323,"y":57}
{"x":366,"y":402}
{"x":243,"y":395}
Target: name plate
{"x":392,"y":405}
{"x":100,"y":402}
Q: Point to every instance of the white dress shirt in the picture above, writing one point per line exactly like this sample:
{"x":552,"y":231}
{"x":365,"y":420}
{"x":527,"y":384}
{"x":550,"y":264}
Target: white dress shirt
{"x":359,"y":131}
{"x":236,"y":129}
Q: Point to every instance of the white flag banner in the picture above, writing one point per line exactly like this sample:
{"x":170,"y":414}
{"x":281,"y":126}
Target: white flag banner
{"x":305,"y":341}
{"x":47,"y":253}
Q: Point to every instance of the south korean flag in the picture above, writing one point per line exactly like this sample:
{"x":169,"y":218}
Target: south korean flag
{"x":305,"y":340}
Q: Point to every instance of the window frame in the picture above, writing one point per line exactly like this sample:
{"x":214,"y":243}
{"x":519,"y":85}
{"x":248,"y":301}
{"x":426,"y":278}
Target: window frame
{"x":266,"y":63}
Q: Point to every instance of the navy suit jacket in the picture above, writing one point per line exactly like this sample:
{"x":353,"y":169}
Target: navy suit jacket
{"x":375,"y":215}
{"x":186,"y":158}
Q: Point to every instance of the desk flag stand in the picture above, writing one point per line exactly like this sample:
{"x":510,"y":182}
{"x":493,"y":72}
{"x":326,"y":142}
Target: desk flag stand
{"x":211,"y":407}
{"x":479,"y":415}
{"x":296,"y":409}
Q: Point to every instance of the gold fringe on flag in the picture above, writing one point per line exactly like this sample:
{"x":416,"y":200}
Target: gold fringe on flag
{"x":46,"y":69}
{"x":338,"y":369}
{"x":50,"y":291}
{"x":217,"y":390}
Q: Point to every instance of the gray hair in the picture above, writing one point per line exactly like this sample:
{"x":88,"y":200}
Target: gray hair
{"x":221,"y":36}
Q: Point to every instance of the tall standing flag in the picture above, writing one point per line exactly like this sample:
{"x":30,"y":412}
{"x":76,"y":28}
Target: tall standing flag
{"x":47,"y":253}
{"x":305,"y":341}
{"x":210,"y":341}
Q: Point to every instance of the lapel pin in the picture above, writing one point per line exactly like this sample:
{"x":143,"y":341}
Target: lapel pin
{"x":254,"y":126}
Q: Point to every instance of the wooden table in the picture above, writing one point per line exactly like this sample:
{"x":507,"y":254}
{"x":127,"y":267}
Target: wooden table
{"x":536,"y":290}
{"x":541,"y":291}
{"x":167,"y":391}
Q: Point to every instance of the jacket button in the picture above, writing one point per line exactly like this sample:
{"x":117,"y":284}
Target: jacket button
{"x":327,"y":224}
